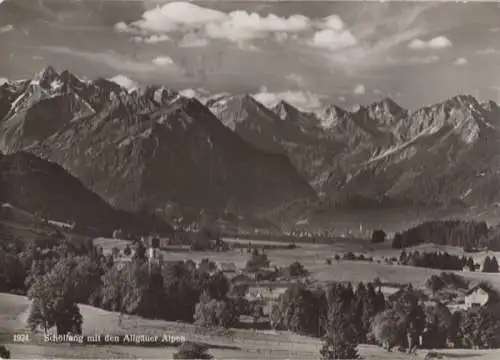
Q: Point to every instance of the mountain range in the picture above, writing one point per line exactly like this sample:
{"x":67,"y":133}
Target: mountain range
{"x":145,"y":148}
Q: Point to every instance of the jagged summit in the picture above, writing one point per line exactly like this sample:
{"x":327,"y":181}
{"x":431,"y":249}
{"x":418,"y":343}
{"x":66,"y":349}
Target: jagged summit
{"x":46,"y":76}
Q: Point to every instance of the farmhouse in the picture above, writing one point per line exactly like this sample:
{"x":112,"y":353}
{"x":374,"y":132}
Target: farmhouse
{"x":479,"y":295}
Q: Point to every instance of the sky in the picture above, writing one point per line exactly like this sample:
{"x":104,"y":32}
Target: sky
{"x":309,"y":53}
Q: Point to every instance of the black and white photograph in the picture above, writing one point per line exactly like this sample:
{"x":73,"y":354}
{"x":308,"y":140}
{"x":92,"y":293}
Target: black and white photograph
{"x":233,"y":179}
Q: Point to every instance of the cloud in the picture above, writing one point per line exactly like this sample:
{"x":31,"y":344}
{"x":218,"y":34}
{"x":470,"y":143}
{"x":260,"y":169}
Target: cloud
{"x":333,"y":35}
{"x":488,"y":51}
{"x":303,"y":100}
{"x":125,"y":82}
{"x":495,"y":29}
{"x":377,"y":91}
{"x":163,"y":61}
{"x":439,"y":42}
{"x":192,"y":40}
{"x":460,"y":61}
{"x":333,"y":39}
{"x":359,"y":89}
{"x":295,"y":79}
{"x":116,"y":61}
{"x":424,"y":60}
{"x":342,"y":99}
{"x":152,"y":39}
{"x":189,"y":93}
{"x":199,"y":93}
{"x":234,"y":26}
{"x":6,"y":28}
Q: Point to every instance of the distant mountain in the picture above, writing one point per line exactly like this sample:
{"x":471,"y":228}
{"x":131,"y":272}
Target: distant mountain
{"x":381,"y":154}
{"x":143,"y":148}
{"x":38,"y":186}
{"x":441,"y":155}
{"x":149,"y":146}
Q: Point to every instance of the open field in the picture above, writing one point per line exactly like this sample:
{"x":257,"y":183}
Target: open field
{"x":313,"y":256}
{"x":234,"y":344}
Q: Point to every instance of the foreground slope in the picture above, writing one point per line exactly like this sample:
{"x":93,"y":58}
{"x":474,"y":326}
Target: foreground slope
{"x":240,"y":344}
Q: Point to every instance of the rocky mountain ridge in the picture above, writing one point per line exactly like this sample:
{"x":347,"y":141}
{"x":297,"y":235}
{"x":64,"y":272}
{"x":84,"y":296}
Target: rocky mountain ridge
{"x":144,"y":148}
{"x":374,"y":155}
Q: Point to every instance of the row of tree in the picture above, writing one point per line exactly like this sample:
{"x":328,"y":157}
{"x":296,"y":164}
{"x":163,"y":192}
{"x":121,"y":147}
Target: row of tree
{"x":467,"y":234}
{"x":435,"y":260}
{"x":345,"y":318}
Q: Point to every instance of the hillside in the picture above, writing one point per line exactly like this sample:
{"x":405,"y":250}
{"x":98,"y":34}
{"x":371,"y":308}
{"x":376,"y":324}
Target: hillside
{"x":37,"y":186}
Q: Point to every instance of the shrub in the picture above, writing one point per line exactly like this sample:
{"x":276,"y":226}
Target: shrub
{"x":339,"y":346}
{"x":192,"y":350}
{"x":4,"y":352}
{"x":127,"y":251}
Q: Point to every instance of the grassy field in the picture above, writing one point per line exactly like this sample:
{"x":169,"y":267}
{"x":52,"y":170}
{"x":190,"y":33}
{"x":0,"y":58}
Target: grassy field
{"x":313,"y":257}
{"x":234,"y":344}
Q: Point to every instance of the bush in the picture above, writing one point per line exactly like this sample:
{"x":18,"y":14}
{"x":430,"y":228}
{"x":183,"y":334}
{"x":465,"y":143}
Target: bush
{"x":192,"y":350}
{"x":4,"y":352}
{"x":257,"y":261}
{"x":338,"y":346}
{"x":127,"y":251}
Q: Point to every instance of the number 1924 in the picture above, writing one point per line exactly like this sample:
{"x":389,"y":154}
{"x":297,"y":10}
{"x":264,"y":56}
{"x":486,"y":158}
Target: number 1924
{"x":21,"y":338}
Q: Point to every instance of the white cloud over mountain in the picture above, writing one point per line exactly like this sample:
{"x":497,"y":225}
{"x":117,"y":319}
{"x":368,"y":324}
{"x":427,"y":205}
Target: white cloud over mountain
{"x":359,"y":89}
{"x":200,"y":23}
{"x":163,"y":61}
{"x":234,"y":26}
{"x":303,"y":100}
{"x":439,"y":42}
{"x":124,"y":81}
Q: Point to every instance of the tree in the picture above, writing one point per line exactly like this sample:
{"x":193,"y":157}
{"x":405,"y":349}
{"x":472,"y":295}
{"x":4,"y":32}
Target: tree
{"x":439,"y":322}
{"x":191,"y":350}
{"x":51,"y":306}
{"x":434,"y":283}
{"x":298,"y":310}
{"x":257,"y":261}
{"x":127,"y":251}
{"x":140,"y":251}
{"x":56,"y":294}
{"x":493,"y":268}
{"x":340,"y":344}
{"x":215,"y":312}
{"x":182,"y":287}
{"x":397,"y":242}
{"x":388,"y":329}
{"x":378,"y":236}
{"x":296,"y":269}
